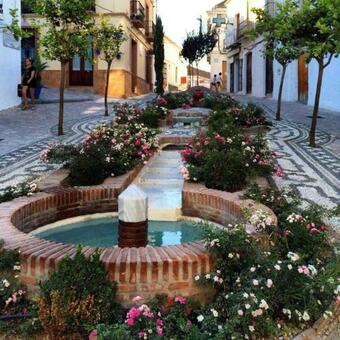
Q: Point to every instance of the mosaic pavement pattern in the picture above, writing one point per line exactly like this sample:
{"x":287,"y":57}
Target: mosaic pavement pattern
{"x":314,"y":173}
{"x":25,"y":162}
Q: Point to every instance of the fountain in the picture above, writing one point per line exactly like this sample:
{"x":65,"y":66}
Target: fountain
{"x":133,"y":218}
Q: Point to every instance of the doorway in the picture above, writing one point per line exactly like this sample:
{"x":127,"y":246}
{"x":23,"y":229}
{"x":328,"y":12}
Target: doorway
{"x":269,"y":76}
{"x":134,"y":66}
{"x":224,"y":74}
{"x":232,"y":77}
{"x":249,"y":85}
{"x":81,"y":69}
{"x":303,"y":80}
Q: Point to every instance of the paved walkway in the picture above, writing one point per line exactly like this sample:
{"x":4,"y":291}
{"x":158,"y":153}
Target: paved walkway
{"x":313,"y":172}
{"x":24,"y":134}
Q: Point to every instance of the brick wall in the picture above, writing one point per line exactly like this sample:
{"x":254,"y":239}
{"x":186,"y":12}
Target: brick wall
{"x":138,"y":271}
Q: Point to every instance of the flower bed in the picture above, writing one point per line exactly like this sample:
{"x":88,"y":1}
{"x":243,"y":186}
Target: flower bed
{"x":107,"y":151}
{"x":226,"y":163}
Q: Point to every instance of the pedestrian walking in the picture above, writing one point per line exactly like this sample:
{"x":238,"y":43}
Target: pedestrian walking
{"x":214,"y":82}
{"x":219,"y":82}
{"x":28,"y":83}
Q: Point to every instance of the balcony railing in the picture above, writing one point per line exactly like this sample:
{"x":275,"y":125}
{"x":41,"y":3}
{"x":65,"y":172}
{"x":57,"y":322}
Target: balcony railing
{"x":137,"y":13}
{"x":149,"y":30}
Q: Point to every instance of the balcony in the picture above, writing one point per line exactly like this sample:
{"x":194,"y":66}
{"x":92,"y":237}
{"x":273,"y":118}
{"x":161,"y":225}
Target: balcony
{"x":242,"y":28}
{"x":137,"y":14}
{"x":149,"y":31}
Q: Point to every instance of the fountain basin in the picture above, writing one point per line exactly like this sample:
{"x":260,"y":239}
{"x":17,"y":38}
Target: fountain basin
{"x":142,"y":271}
{"x":101,"y":230}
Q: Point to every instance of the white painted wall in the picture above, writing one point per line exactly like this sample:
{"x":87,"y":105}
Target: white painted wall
{"x":10,"y":63}
{"x":173,"y":61}
{"x":290,"y":87}
{"x":330,"y":93}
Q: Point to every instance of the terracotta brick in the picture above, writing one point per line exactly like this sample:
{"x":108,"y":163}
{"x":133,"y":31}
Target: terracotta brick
{"x":178,"y":285}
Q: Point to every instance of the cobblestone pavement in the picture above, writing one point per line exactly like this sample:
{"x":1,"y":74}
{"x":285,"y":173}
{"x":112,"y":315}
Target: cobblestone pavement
{"x":313,"y":172}
{"x":24,"y":134}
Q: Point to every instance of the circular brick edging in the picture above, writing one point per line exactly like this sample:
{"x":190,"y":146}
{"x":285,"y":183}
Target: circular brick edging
{"x":138,"y":271}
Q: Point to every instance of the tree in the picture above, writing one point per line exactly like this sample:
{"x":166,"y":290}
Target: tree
{"x":15,"y":27}
{"x":318,"y":30}
{"x":67,"y":32}
{"x":196,"y":46}
{"x":108,"y":41}
{"x":278,"y":35}
{"x":159,"y":55}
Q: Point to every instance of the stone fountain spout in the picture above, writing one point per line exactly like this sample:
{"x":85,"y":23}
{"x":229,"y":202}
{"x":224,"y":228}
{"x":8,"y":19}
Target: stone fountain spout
{"x":133,"y":218}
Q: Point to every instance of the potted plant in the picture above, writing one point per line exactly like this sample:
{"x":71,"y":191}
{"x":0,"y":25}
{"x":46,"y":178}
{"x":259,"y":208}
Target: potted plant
{"x":39,"y":66}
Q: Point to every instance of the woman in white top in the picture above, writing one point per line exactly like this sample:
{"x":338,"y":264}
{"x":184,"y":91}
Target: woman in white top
{"x":213,"y":82}
{"x":219,"y":82}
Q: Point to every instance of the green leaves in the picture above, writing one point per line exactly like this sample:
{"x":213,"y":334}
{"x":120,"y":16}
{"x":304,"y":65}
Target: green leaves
{"x":159,"y":55}
{"x":69,"y":25}
{"x":108,"y":40}
{"x":279,"y":32}
{"x":15,"y":27}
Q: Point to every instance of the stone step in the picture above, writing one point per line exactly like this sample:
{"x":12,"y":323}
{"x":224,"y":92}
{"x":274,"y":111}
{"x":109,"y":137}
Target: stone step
{"x":164,"y":170}
{"x":155,"y":214}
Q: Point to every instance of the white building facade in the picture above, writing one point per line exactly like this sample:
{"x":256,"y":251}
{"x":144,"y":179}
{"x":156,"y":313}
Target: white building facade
{"x":249,"y":72}
{"x":175,"y":69}
{"x":10,"y":58}
{"x":218,"y":57}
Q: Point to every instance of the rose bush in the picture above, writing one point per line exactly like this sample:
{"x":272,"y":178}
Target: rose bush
{"x":107,"y":150}
{"x":226,"y":163}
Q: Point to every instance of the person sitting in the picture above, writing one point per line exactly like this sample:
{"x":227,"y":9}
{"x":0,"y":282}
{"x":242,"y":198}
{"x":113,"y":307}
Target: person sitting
{"x":28,"y":82}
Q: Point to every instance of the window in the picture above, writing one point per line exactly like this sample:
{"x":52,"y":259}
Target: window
{"x":176,"y":75}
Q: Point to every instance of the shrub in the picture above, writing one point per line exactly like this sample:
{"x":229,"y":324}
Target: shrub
{"x":177,"y":100}
{"x":223,"y":124}
{"x":26,"y":188}
{"x":151,"y":115}
{"x":226,"y":163}
{"x":13,"y":295}
{"x":248,"y":115}
{"x":78,"y":294}
{"x":266,"y":289}
{"x":107,"y":150}
{"x":218,"y":102}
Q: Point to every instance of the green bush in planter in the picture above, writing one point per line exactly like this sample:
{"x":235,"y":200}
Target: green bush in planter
{"x":77,"y":295}
{"x":150,"y":116}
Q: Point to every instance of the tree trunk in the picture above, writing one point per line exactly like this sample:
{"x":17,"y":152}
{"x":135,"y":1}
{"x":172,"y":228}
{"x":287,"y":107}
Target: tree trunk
{"x":61,"y":99}
{"x":190,"y":74}
{"x":312,"y":131}
{"x":278,"y":110}
{"x":107,"y":86}
{"x":197,"y":82}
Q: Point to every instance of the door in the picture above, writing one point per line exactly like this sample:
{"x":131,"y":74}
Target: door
{"x":240,"y":75}
{"x":134,"y":66}
{"x":249,"y":73}
{"x":224,"y":74}
{"x":232,"y":77}
{"x":81,"y":70}
{"x":303,"y":80}
{"x":269,"y":76}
